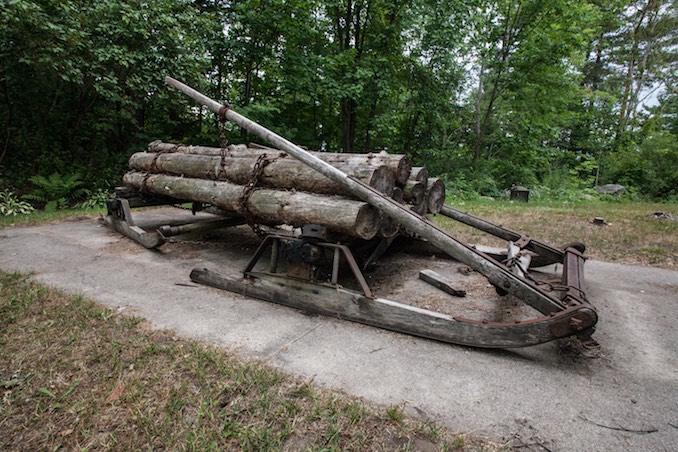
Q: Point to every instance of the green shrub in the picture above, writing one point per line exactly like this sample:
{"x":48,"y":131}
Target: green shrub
{"x":10,"y":205}
{"x":649,"y":168}
{"x":55,"y":191}
{"x":94,"y":199}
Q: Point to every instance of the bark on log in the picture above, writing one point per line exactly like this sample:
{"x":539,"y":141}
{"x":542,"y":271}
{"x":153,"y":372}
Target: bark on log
{"x":400,"y":165}
{"x":414,"y":192}
{"x":418,"y":208}
{"x":159,"y":146}
{"x":419,"y":173}
{"x":435,"y":194}
{"x":398,"y":195}
{"x":286,"y":173}
{"x":341,"y":215}
{"x":390,"y":227}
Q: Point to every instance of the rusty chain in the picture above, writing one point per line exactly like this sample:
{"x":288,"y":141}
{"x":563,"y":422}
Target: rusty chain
{"x":249,"y":188}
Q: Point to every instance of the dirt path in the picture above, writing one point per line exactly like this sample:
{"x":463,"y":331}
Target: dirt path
{"x":626,"y":399}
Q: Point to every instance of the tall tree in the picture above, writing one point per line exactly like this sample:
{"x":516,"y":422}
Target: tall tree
{"x":77,"y":77}
{"x":527,"y":56}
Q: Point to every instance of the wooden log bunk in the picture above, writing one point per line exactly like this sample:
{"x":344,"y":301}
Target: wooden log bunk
{"x":368,"y":198}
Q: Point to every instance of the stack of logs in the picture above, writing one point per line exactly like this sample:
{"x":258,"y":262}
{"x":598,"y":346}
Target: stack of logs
{"x":288,"y":191}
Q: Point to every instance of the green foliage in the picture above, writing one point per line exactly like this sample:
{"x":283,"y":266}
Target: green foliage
{"x":395,"y":413}
{"x":485,"y":93}
{"x":10,"y":205}
{"x":94,"y":199}
{"x":649,"y":168}
{"x":78,"y":79}
{"x":56,"y":190}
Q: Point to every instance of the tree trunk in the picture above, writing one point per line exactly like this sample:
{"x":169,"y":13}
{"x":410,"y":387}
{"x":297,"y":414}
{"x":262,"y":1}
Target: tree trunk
{"x":348,"y":118}
{"x":400,"y":164}
{"x":435,"y":195}
{"x":272,"y":207}
{"x":287,"y":173}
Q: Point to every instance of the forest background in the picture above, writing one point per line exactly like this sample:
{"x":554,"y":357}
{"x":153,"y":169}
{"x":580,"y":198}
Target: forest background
{"x":557,"y":95}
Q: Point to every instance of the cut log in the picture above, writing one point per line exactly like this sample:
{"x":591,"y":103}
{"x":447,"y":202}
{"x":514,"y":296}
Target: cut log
{"x":389,"y":227}
{"x":400,"y":165}
{"x":398,"y":195}
{"x":419,"y":173}
{"x":272,"y":207}
{"x":414,"y":192}
{"x":286,"y":173}
{"x":419,"y":209}
{"x":435,"y":195}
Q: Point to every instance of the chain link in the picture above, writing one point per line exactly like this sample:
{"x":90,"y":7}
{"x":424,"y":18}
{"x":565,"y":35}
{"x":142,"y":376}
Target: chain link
{"x":249,"y":188}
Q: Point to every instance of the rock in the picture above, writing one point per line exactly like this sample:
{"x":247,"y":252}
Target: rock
{"x":611,"y":189}
{"x":487,"y":198}
{"x":663,"y":216}
{"x":587,"y":197}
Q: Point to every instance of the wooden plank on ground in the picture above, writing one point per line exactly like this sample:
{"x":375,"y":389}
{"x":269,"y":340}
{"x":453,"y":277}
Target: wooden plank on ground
{"x":439,"y":281}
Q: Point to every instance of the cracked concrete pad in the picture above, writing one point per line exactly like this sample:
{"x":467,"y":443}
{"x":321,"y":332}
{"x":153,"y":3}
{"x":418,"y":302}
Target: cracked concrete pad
{"x":527,"y":396}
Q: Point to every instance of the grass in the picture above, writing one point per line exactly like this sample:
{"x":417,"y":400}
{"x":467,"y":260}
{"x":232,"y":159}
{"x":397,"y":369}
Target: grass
{"x":41,"y":217}
{"x":75,"y":375}
{"x":631,"y":235}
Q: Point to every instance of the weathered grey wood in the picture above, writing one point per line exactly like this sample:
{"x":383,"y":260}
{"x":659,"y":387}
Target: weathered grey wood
{"x":440,"y":282}
{"x":400,"y":164}
{"x":389,"y":227}
{"x":286,"y":173}
{"x":147,"y":239}
{"x":419,"y":209}
{"x":169,"y":230}
{"x":341,"y":215}
{"x":435,"y":195}
{"x":231,"y":149}
{"x":419,"y":173}
{"x":398,"y":195}
{"x":496,"y":273}
{"x":554,"y":255}
{"x":414,"y":192}
{"x":349,"y":305}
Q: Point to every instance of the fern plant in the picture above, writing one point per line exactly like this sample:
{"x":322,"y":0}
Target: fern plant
{"x":10,"y":205}
{"x":56,"y":190}
{"x":94,"y":199}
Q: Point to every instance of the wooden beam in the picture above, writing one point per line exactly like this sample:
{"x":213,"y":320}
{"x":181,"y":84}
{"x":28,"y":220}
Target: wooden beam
{"x":440,"y":282}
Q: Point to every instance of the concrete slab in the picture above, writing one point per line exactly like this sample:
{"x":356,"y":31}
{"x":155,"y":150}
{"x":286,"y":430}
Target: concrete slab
{"x":526,"y":396}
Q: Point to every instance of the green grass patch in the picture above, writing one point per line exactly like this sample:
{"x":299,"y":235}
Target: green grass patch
{"x":41,"y":217}
{"x":75,"y":375}
{"x":631,"y":235}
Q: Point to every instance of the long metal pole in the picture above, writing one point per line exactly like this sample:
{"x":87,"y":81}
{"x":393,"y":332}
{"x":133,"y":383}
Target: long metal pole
{"x":495,"y":273}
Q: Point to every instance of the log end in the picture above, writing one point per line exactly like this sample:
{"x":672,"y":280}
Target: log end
{"x":403,"y":170}
{"x":383,"y":180}
{"x":367,"y":222}
{"x":436,"y":195}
